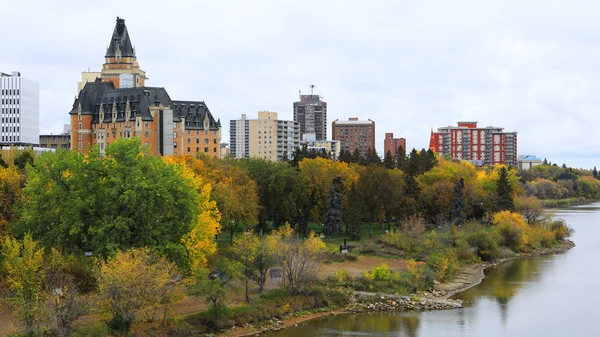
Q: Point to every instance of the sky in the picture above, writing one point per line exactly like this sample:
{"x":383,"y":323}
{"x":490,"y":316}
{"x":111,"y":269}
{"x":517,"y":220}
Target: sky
{"x":529,"y":66}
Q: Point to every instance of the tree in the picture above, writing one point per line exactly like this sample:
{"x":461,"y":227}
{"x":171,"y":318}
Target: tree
{"x":372,"y":158}
{"x":213,"y":285}
{"x":595,"y":172}
{"x":333,"y":221}
{"x":103,"y":204}
{"x":400,"y":157}
{"x":545,"y":162}
{"x":352,"y":213}
{"x":531,"y":208}
{"x":457,"y":208}
{"x":245,"y":251}
{"x":357,"y":157}
{"x":373,"y":189}
{"x":299,"y":258}
{"x":24,"y":158}
{"x":130,"y":281}
{"x":12,"y":196}
{"x":345,"y":156}
{"x":22,"y":265}
{"x":388,"y":161}
{"x":504,"y":191}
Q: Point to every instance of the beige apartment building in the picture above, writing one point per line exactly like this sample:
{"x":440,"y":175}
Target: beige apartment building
{"x":266,"y":137}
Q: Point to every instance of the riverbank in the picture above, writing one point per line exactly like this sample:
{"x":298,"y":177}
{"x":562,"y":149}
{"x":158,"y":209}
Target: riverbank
{"x":558,"y":203}
{"x":436,"y":299}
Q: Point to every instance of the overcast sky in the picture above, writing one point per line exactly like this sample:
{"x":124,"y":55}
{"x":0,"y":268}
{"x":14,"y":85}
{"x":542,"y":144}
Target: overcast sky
{"x":526,"y":65}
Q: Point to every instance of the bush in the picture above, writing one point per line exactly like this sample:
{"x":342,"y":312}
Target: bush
{"x":485,"y":244}
{"x":560,"y":229}
{"x":444,"y":265}
{"x":381,"y":273}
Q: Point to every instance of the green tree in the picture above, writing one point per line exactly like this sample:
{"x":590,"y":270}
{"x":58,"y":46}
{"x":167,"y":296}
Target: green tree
{"x":345,"y":156}
{"x":400,"y":157}
{"x":103,"y":204}
{"x":504,"y":191}
{"x":458,"y":208}
{"x":245,"y":251}
{"x":333,"y":221}
{"x":24,"y":158}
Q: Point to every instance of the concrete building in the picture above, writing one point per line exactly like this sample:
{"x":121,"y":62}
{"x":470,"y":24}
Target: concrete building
{"x":239,"y":137}
{"x":311,"y":114}
{"x":333,"y":147}
{"x":266,"y":137}
{"x":482,"y":146}
{"x":528,"y":161}
{"x":225,"y":152}
{"x":118,"y":105}
{"x":59,"y":141}
{"x":19,"y":110}
{"x":391,"y":144}
{"x":354,"y":134}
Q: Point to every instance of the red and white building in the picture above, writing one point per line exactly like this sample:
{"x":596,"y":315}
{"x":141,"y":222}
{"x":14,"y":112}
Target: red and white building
{"x":481,"y":146}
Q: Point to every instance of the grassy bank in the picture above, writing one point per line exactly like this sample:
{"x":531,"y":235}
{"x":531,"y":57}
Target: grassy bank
{"x":557,"y":203}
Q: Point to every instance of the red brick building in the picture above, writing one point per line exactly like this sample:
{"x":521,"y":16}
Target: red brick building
{"x":482,"y":146}
{"x":392,"y":144}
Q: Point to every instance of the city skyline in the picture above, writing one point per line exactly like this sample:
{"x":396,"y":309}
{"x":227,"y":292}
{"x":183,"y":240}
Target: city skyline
{"x":409,"y":67}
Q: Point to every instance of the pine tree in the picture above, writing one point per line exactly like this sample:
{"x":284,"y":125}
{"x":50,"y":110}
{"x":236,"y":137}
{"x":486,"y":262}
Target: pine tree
{"x":595,"y":172}
{"x":504,"y":191}
{"x":333,"y":220}
{"x":388,"y":161}
{"x":400,"y":158}
{"x":545,"y":161}
{"x":345,"y":156}
{"x":458,"y":208}
{"x":357,"y":157}
{"x":372,"y":158}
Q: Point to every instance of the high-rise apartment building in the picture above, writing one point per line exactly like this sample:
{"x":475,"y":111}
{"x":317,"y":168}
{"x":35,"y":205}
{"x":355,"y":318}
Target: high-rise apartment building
{"x":354,"y":134}
{"x":239,"y":137}
{"x":482,"y":146}
{"x":391,"y":144}
{"x":331,"y":147}
{"x":266,"y":137}
{"x":19,"y":110}
{"x":117,"y":105}
{"x":311,"y":114}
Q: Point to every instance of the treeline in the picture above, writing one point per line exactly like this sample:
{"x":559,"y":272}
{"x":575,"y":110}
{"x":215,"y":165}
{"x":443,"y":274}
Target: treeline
{"x":549,"y":181}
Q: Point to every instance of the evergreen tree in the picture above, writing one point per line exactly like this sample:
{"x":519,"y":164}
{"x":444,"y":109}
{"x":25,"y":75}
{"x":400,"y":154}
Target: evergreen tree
{"x":357,"y":157}
{"x":333,"y":220}
{"x":372,"y":158}
{"x":545,"y":161}
{"x":458,"y":208}
{"x":400,"y":157}
{"x":388,"y":161}
{"x":595,"y":172}
{"x":504,"y":191}
{"x":345,"y":156}
{"x":353,"y":213}
{"x":564,"y":165}
{"x":427,"y":160}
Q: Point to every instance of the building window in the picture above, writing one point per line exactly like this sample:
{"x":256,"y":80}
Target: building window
{"x":145,"y":124}
{"x":189,"y":140}
{"x":206,"y":131}
{"x":79,"y":126}
{"x":174,"y":134}
{"x":188,"y":149}
{"x":175,"y":145}
{"x":215,"y":141}
{"x":197,"y":149}
{"x":174,"y":125}
{"x":206,"y":150}
{"x":215,"y":149}
{"x":205,"y":140}
{"x":197,"y":132}
{"x":79,"y":146}
{"x":146,"y":143}
{"x":214,"y":133}
{"x":197,"y":141}
{"x":146,"y":134}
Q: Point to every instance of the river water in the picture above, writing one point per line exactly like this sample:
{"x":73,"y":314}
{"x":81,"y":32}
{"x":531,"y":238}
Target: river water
{"x":555,"y":295}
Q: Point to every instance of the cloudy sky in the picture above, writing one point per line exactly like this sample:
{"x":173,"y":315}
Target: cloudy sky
{"x":530,"y":66}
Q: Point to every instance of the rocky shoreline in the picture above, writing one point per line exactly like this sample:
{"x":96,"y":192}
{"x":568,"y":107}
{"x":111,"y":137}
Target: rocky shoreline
{"x":436,"y":299}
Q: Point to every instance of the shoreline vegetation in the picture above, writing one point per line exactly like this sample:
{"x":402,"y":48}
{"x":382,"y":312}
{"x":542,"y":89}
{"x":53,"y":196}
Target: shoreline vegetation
{"x":125,"y":243}
{"x":438,"y":298}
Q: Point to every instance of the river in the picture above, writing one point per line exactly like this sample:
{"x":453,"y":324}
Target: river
{"x":554,"y":295}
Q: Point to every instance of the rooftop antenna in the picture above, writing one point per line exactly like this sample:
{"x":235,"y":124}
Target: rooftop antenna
{"x":299,"y":92}
{"x":312,"y":86}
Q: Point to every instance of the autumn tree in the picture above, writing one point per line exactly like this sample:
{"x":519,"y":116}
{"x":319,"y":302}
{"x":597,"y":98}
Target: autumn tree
{"x":531,"y":208}
{"x":333,"y":221}
{"x":373,"y":189}
{"x":22,"y":265}
{"x":130,"y":281}
{"x":245,"y":251}
{"x":299,"y":258}
{"x":319,"y":174}
{"x":12,"y":196}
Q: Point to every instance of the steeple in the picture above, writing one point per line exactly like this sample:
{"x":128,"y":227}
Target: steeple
{"x":120,"y":41}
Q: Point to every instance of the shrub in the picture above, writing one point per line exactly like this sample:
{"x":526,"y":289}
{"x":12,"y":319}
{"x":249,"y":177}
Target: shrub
{"x":485,"y":244}
{"x":444,"y":265}
{"x":342,"y":276}
{"x":513,"y":229}
{"x":560,"y":229}
{"x":381,"y":273}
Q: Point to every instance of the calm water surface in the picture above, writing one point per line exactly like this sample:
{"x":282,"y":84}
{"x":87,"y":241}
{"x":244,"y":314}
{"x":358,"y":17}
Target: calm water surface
{"x":557,"y":295}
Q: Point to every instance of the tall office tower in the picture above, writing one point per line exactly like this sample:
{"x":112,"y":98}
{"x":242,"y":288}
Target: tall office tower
{"x":19,"y":110}
{"x":482,"y":146}
{"x":355,"y":134}
{"x":311,"y":114}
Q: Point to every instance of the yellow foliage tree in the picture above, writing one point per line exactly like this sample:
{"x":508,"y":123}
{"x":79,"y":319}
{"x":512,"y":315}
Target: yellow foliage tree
{"x":11,"y":195}
{"x":513,"y":229}
{"x":199,"y":242}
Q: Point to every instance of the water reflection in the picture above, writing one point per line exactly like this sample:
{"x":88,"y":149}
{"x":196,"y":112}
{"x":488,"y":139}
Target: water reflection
{"x":553,"y":295}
